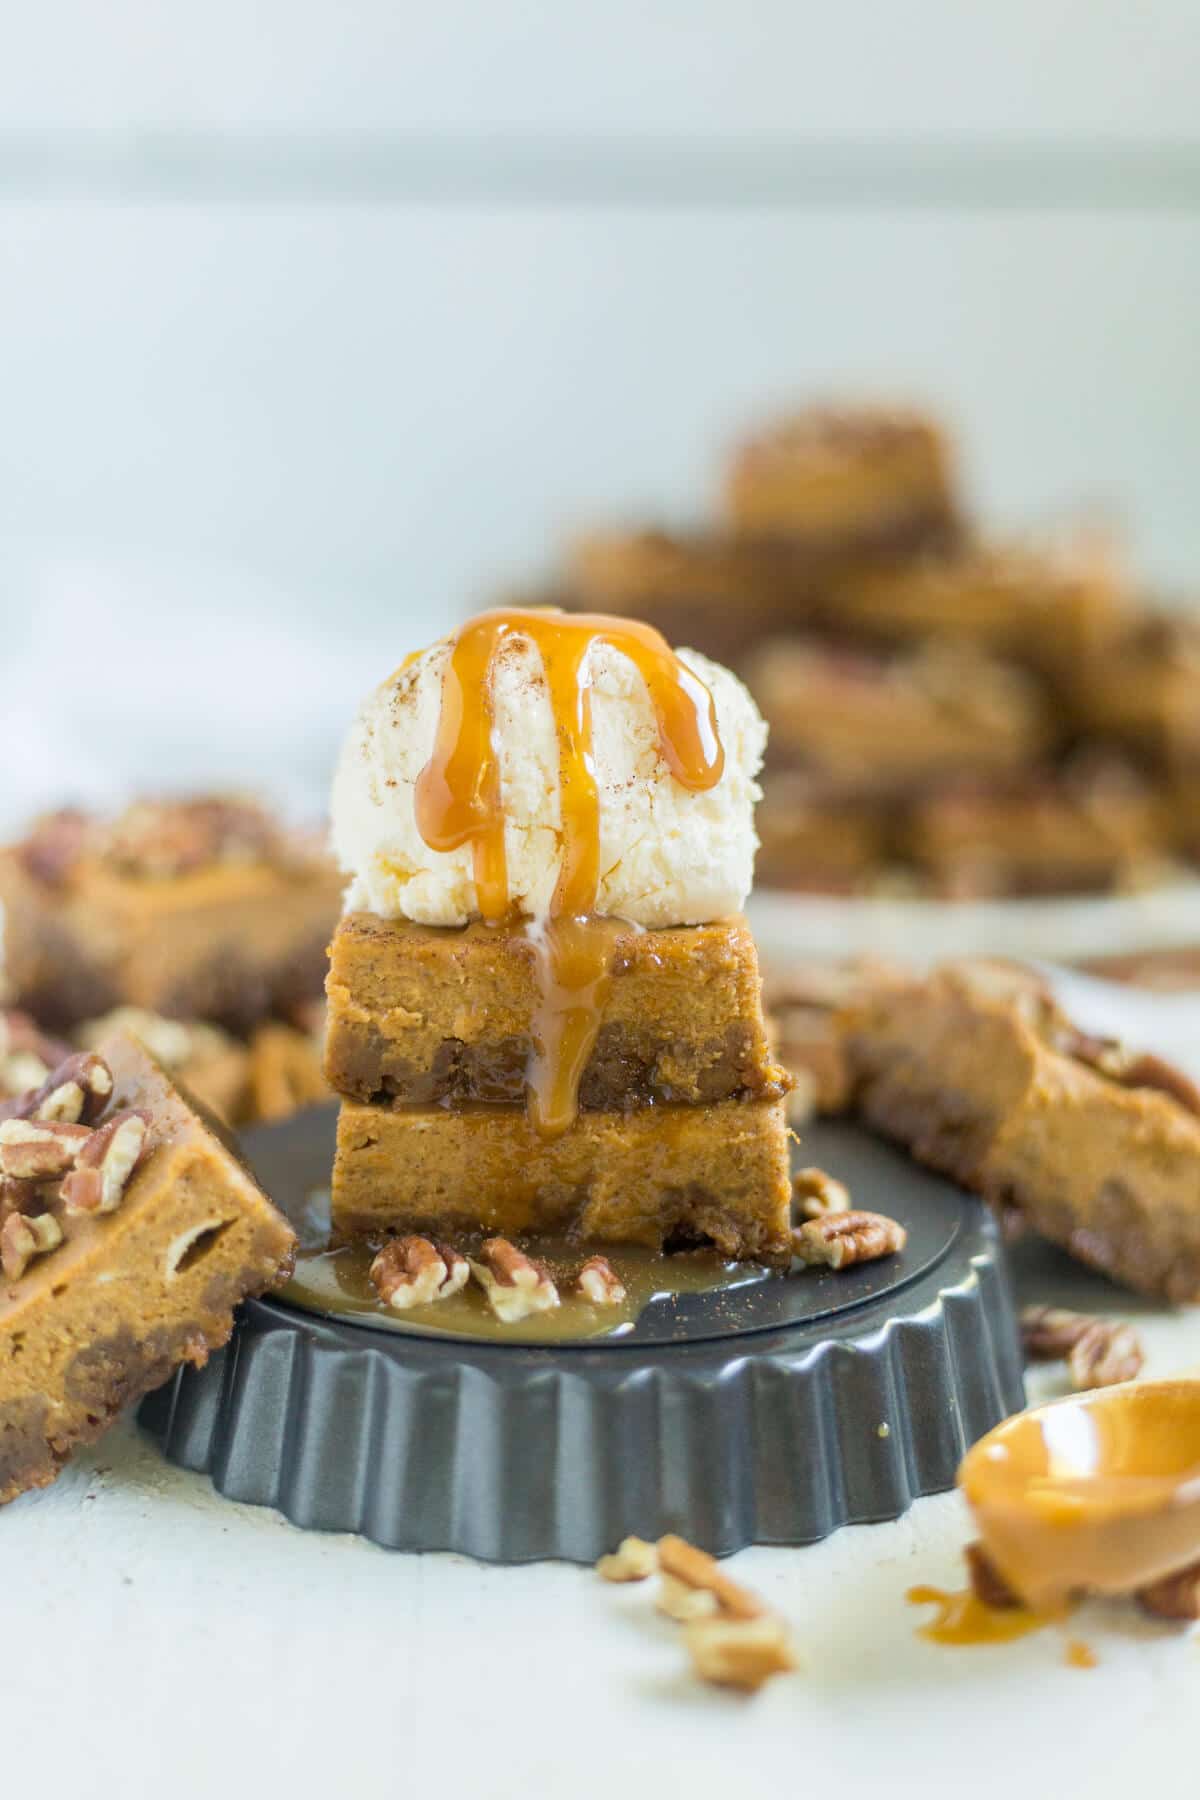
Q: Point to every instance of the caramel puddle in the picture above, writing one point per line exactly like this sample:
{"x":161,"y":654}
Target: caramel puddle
{"x":963,"y":1619}
{"x":458,"y":801}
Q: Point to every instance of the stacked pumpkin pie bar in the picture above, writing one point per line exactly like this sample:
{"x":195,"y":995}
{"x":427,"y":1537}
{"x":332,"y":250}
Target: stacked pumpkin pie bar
{"x":579,"y":1048}
{"x":678,"y":1139}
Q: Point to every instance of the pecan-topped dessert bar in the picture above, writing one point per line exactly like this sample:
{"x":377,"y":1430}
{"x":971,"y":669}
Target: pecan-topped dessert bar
{"x":845,"y":480}
{"x":128,"y":1234}
{"x":202,"y":908}
{"x":1096,"y":1145}
{"x":545,"y":1009}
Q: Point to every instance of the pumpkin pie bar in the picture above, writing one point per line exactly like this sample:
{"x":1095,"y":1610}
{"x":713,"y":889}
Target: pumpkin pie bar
{"x":667,"y":1177}
{"x":1095,"y":1145}
{"x":200,"y":908}
{"x":424,"y":1015}
{"x":845,"y":481}
{"x":129,"y":1232}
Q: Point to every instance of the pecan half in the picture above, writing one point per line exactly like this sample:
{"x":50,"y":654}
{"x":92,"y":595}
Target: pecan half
{"x":1104,"y":1355}
{"x":39,"y":1150}
{"x":1175,"y":1596}
{"x":740,"y":1653}
{"x":105,"y":1164}
{"x":515,"y":1285}
{"x":414,"y":1271}
{"x":817,"y":1194}
{"x":77,"y":1091}
{"x":22,"y":1238}
{"x":599,"y":1282}
{"x":987,"y":1583}
{"x":840,"y":1240}
{"x":1129,"y":1068}
{"x":632,"y":1560}
{"x":697,"y":1570}
{"x":1050,"y":1333}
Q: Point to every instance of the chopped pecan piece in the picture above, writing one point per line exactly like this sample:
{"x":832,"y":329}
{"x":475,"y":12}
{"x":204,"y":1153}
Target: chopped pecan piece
{"x":159,"y":840}
{"x":1105,"y":1354}
{"x":39,"y":1150}
{"x":684,"y":1604}
{"x":103,"y":1167}
{"x":1050,"y":1333}
{"x":24,"y":1237}
{"x":697,"y":1570}
{"x":1175,"y":1596}
{"x":839,"y":1240}
{"x":599,"y":1282}
{"x":632,"y":1560}
{"x":515,"y":1285}
{"x":817,"y":1194}
{"x":987,"y":1583}
{"x":414,"y":1271}
{"x":740,"y":1653}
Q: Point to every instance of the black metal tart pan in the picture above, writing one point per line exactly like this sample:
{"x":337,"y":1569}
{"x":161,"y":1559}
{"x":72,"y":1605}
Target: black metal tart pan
{"x":772,"y":1413}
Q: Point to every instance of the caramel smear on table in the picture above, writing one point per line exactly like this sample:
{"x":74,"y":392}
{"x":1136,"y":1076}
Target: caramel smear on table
{"x":459,"y":801}
{"x":963,"y":1619}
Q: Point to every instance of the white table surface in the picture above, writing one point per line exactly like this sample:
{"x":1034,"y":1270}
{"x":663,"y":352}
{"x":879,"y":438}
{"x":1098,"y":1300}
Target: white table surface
{"x":162,"y":1641}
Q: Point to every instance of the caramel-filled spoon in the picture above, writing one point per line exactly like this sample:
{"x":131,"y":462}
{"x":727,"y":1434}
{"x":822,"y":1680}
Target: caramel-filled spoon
{"x":1098,"y":1493}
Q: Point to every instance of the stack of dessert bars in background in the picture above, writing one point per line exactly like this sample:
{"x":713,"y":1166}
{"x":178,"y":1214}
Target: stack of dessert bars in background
{"x":679,"y":1139}
{"x":950,"y":715}
{"x":199,"y":924}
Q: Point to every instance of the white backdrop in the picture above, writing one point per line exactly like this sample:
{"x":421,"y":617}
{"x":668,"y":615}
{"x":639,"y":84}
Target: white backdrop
{"x":320,"y":322}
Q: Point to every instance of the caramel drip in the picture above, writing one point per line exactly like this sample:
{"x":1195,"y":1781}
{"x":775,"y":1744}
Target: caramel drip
{"x":459,"y":801}
{"x":962,"y":1618}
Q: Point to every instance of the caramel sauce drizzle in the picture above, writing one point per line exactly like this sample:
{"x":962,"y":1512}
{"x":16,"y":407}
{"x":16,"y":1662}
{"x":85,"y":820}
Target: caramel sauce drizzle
{"x":964,"y":1621}
{"x":459,"y":801}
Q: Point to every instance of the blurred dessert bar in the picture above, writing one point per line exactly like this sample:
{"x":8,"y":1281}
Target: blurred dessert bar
{"x":1093,"y":825}
{"x":883,"y":724}
{"x":843,"y":482}
{"x":128,"y":1235}
{"x":710,"y":592}
{"x":816,"y":838}
{"x":806,"y":1005}
{"x":426,"y":1016}
{"x":1145,"y":692}
{"x":1045,"y":605}
{"x":211,"y":1064}
{"x":1095,"y":1145}
{"x":202,"y":908}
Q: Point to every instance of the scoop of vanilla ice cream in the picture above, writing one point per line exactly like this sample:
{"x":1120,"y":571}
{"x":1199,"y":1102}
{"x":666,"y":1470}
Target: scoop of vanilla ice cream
{"x":668,"y":856}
